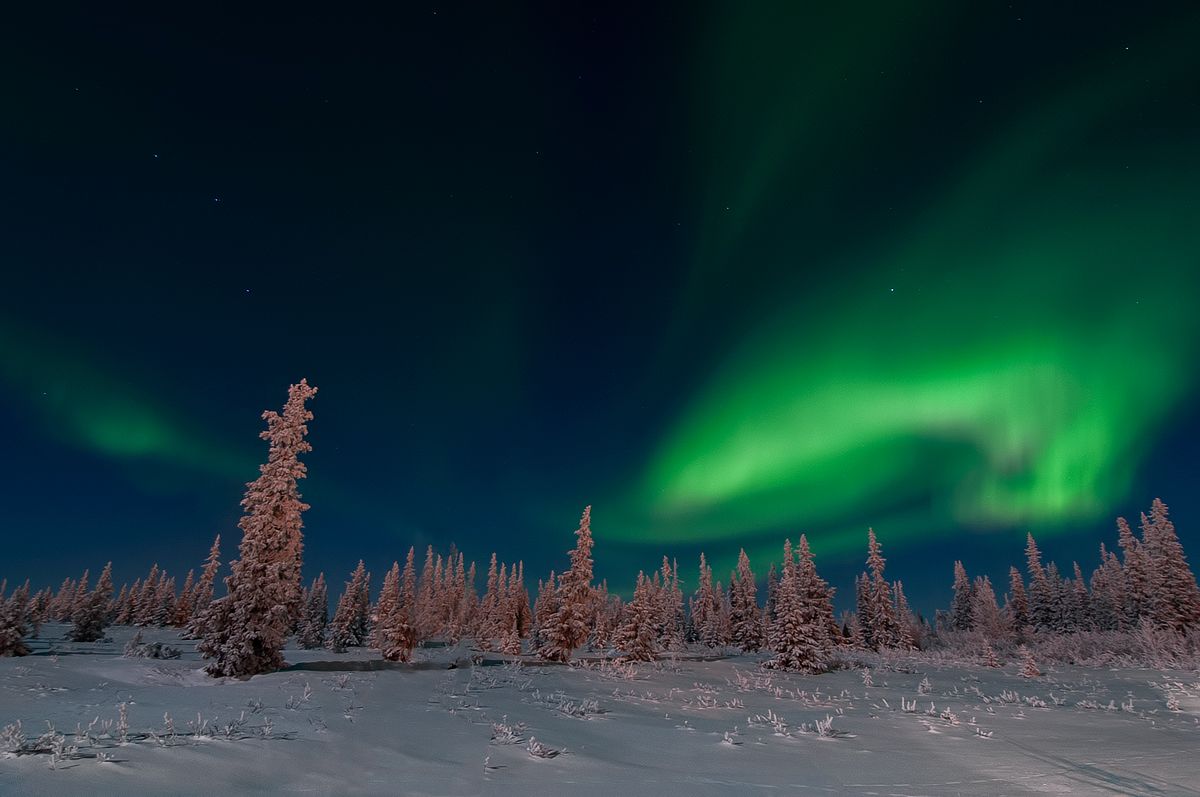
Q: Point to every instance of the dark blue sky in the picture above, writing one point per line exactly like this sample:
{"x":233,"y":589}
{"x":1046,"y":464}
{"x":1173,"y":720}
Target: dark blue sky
{"x":538,"y":257}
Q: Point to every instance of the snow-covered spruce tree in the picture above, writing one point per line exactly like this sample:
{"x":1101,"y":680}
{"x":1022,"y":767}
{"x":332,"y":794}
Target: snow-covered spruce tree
{"x":985,"y":611}
{"x":1079,"y":603}
{"x":509,"y":612}
{"x":716,"y":635}
{"x":1029,"y":668}
{"x":745,"y":620}
{"x":13,"y":623}
{"x":544,"y":608}
{"x":524,"y":609}
{"x":672,"y":622}
{"x":1108,"y":593}
{"x":81,"y":593}
{"x":567,"y":629}
{"x":961,"y":607}
{"x":1176,"y":603}
{"x":455,"y":599}
{"x":143,"y":613}
{"x":311,"y":631}
{"x":164,"y":602}
{"x":1136,"y":570}
{"x":702,"y":605}
{"x":989,"y":655}
{"x":1042,"y":608}
{"x":877,"y":616}
{"x":117,"y":604}
{"x":60,"y":606}
{"x":203,"y":595}
{"x":245,"y":630}
{"x":1016,"y":606}
{"x":91,"y":615}
{"x":426,"y":613}
{"x":637,"y":633}
{"x":394,"y":634}
{"x":351,"y":619}
{"x":772,"y":586}
{"x":487,"y":622}
{"x":910,"y":630}
{"x":1056,"y":588}
{"x":799,"y":633}
{"x":128,"y":610}
{"x":186,"y":603}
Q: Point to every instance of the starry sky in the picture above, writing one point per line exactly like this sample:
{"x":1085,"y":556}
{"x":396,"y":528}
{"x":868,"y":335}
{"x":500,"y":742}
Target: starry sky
{"x":728,"y":272}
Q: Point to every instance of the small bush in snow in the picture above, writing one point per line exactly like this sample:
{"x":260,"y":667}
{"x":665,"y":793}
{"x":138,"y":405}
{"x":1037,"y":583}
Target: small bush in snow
{"x":539,"y":750}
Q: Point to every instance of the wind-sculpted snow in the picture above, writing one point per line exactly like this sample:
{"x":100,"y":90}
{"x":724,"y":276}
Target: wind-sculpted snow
{"x":79,"y":718}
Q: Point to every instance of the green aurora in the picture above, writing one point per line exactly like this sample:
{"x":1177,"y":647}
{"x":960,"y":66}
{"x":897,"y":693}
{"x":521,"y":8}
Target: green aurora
{"x":1003,"y":358}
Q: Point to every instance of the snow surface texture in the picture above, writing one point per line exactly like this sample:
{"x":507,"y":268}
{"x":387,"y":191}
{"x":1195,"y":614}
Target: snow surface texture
{"x":352,"y":724}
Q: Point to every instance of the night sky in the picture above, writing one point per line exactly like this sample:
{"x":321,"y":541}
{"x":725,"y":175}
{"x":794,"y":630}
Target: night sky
{"x":726,"y":272}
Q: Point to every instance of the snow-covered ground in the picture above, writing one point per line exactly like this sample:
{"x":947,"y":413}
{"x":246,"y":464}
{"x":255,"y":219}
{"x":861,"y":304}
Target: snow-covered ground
{"x":683,"y":727}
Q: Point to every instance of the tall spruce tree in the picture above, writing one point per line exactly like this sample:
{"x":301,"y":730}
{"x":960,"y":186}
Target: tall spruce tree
{"x":567,"y":629}
{"x":91,"y":615}
{"x":244,"y":631}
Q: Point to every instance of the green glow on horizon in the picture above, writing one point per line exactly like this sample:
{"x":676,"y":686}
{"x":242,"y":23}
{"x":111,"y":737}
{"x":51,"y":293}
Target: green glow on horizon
{"x":83,"y":406}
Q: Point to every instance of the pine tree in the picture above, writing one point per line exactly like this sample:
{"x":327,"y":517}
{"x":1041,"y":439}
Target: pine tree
{"x":1042,"y":609}
{"x":60,"y":606}
{"x":1079,"y":603}
{"x":909,"y":631}
{"x":772,"y":590}
{"x":80,"y":598}
{"x":186,"y":603}
{"x":961,"y":616}
{"x":879,"y":621}
{"x":148,"y":597}
{"x":311,"y":632}
{"x":544,"y":608}
{"x":1017,"y":604}
{"x":1029,"y":667}
{"x":351,"y":619}
{"x":1176,"y":603}
{"x":671,"y":621}
{"x":703,"y":605}
{"x":745,"y":618}
{"x":203,"y":595}
{"x":118,"y":603}
{"x":14,"y":622}
{"x":487,"y":627}
{"x":91,"y":615}
{"x":798,"y":635}
{"x":637,"y":633}
{"x":394,"y":635}
{"x":1136,"y":572}
{"x":244,"y":631}
{"x":987,"y":618}
{"x":128,"y":610}
{"x":568,"y":628}
{"x":164,"y":602}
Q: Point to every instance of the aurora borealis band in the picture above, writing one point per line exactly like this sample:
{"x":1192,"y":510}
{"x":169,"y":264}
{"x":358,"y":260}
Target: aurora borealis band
{"x":727,"y":272}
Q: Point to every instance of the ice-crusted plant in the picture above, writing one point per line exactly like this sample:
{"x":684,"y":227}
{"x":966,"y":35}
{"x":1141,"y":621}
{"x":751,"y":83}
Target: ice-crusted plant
{"x":122,"y":723}
{"x":772,"y":719}
{"x":12,"y":739}
{"x":924,"y":687}
{"x":505,"y":733}
{"x":539,"y":750}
